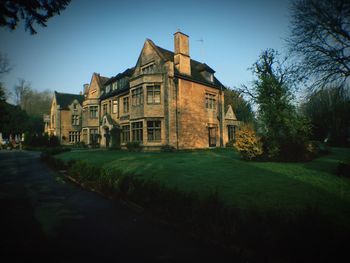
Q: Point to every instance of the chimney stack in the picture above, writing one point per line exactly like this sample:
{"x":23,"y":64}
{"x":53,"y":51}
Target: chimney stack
{"x":182,"y":58}
{"x":86,"y":89}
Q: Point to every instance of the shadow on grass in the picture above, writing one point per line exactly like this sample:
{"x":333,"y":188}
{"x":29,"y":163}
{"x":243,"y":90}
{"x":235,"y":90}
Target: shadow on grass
{"x":313,"y":232}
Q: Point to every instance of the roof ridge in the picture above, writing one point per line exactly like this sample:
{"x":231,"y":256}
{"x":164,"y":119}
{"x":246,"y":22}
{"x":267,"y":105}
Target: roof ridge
{"x":68,"y":93}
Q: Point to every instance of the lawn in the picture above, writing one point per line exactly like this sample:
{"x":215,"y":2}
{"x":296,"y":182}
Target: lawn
{"x":288,"y":187}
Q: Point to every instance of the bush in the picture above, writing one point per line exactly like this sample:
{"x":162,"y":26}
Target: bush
{"x":115,"y":136}
{"x":230,"y":144}
{"x":343,"y":168}
{"x":167,"y":148}
{"x":38,"y":140}
{"x":247,"y":143}
{"x":134,"y":146}
{"x":84,"y":172}
{"x":79,"y":145}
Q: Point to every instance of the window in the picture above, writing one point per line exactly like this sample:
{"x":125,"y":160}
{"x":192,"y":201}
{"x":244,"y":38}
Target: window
{"x":210,"y":101}
{"x":212,"y":136}
{"x":74,"y":106}
{"x":115,"y":106}
{"x":93,"y":136}
{"x":137,"y":131}
{"x":231,"y":132}
{"x":125,"y":133}
{"x":93,"y":112}
{"x":75,"y":119}
{"x":137,"y":96}
{"x":153,"y":94}
{"x":153,"y":130}
{"x":126,"y":104}
{"x":148,"y":69}
{"x":85,"y":135}
{"x":115,"y":85}
{"x":74,"y":136}
{"x":104,"y":109}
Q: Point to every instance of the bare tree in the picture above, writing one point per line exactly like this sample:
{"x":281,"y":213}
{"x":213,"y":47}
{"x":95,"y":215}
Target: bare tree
{"x":35,"y":103}
{"x":21,"y":91}
{"x":34,"y":11}
{"x":5,"y":66}
{"x":320,"y":38}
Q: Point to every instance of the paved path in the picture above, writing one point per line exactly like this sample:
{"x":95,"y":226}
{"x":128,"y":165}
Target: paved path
{"x":46,"y":218}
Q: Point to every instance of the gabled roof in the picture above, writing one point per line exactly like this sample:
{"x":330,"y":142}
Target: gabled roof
{"x":230,"y":115}
{"x":65,"y":99}
{"x":196,"y":69}
{"x":103,"y":80}
{"x":127,"y":73}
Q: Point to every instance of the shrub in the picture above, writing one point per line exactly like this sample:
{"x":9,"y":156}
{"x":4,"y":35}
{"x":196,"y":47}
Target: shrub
{"x":115,"y":136}
{"x":84,"y":172}
{"x":134,"y":146}
{"x":167,"y":148}
{"x":343,"y":168}
{"x":38,"y":140}
{"x":247,"y":143}
{"x":80,"y":145}
{"x":230,"y":144}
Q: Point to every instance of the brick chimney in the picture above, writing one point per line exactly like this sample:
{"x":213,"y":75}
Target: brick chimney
{"x":182,"y":53}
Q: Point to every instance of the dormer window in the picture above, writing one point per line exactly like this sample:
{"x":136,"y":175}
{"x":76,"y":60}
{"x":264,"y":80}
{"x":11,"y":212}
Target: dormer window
{"x":208,"y":76}
{"x":108,"y":88}
{"x":207,"y":72}
{"x":115,"y":86}
{"x":148,"y":68}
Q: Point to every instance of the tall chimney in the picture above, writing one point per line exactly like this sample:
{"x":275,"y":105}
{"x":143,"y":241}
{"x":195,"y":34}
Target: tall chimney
{"x":86,"y":89}
{"x":182,"y":58}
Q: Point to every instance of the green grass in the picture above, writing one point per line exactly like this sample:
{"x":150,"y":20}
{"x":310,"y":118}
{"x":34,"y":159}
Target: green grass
{"x":288,"y":187}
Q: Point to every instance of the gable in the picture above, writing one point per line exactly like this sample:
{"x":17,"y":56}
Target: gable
{"x":96,"y":86}
{"x":230,"y":115}
{"x":66,"y":99}
{"x":149,"y":56}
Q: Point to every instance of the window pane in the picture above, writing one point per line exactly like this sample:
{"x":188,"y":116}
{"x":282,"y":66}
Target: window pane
{"x":149,"y":96}
{"x":157,"y":97}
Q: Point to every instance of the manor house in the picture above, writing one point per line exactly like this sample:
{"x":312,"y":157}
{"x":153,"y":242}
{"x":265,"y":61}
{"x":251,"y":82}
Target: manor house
{"x":167,"y":98}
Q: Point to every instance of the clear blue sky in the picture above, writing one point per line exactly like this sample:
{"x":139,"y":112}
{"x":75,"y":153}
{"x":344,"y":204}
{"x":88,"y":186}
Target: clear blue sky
{"x":107,"y":37}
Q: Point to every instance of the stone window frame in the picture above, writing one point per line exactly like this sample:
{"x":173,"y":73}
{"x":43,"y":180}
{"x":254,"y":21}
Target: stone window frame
{"x":210,"y":100}
{"x":137,"y":131}
{"x":148,"y":68}
{"x":231,"y":132}
{"x":75,"y":119}
{"x":125,"y":133}
{"x":115,"y":106}
{"x":74,"y":136}
{"x":126,"y":102}
{"x":93,"y":135}
{"x":137,"y":96}
{"x":153,"y":130}
{"x":151,"y":94}
{"x":93,"y":112}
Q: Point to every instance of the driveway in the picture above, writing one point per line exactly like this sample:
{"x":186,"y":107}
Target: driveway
{"x":48,"y":219}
